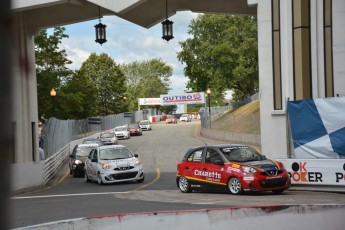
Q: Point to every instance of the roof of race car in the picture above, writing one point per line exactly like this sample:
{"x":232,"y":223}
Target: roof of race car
{"x":87,"y":145}
{"x":219,"y":146}
{"x":111,"y":146}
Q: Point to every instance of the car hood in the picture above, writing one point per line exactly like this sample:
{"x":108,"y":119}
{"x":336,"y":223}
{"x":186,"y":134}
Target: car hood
{"x":106,"y":139}
{"x":121,"y":162}
{"x":81,"y":158}
{"x":265,"y":165}
{"x":120,"y":132}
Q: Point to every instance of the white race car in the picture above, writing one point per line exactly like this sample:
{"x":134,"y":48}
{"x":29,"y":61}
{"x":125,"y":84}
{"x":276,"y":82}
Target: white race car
{"x":122,"y":132}
{"x":113,"y":163}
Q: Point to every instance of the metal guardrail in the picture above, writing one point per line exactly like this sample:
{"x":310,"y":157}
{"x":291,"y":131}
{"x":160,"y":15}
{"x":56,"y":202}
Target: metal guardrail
{"x":54,"y":163}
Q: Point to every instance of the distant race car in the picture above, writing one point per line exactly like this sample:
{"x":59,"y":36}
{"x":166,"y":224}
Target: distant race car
{"x":113,"y":163}
{"x":108,"y":137}
{"x":122,"y":132}
{"x":186,"y":117}
{"x":145,"y":125}
{"x":135,"y":130}
{"x":171,"y":119}
{"x":238,"y":168}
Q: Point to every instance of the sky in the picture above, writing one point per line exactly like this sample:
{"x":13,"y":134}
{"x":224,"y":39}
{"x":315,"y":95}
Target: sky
{"x":128,"y":42}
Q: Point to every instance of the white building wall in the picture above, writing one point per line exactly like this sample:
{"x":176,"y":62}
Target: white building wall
{"x":273,"y":128}
{"x":274,"y":138}
{"x":25,"y":93}
{"x":339,"y":46}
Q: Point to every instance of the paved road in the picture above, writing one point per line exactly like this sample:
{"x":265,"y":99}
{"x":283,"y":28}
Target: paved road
{"x":159,"y":150}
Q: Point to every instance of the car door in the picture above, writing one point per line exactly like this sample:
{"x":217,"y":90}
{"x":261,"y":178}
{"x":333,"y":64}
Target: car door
{"x":192,"y":165}
{"x":214,"y":168}
{"x":92,"y":165}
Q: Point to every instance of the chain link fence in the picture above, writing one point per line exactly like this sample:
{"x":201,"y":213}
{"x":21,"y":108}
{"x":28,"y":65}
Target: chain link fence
{"x":209,"y":121}
{"x":56,"y":134}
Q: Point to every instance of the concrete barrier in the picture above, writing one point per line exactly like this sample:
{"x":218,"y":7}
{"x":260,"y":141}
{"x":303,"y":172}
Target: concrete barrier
{"x":316,"y":217}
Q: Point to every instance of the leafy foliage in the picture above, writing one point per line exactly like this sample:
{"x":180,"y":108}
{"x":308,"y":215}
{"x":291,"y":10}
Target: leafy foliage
{"x":51,"y":68}
{"x":97,"y":88}
{"x":221,"y":55}
{"x":147,"y":79}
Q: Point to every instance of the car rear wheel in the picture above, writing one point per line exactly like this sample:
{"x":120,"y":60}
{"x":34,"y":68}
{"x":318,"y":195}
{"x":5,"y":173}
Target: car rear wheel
{"x":99,"y":179}
{"x":184,"y":185}
{"x":235,"y":186}
{"x":278,"y":191}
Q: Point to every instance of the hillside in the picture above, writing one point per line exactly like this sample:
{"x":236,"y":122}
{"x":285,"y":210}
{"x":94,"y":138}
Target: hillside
{"x":245,"y":119}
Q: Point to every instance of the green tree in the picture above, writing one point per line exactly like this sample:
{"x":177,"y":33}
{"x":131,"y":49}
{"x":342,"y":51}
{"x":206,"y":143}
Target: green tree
{"x":221,"y":55}
{"x":51,"y":68}
{"x":101,"y":87}
{"x":146,"y":79}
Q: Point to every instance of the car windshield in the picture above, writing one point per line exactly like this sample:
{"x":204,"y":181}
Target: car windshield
{"x":144,"y":122}
{"x":133,"y":126}
{"x":120,"y":129}
{"x":83,"y":151}
{"x":115,"y":154}
{"x":184,"y":115}
{"x":107,"y":135}
{"x":241,"y":154}
{"x":96,"y":141}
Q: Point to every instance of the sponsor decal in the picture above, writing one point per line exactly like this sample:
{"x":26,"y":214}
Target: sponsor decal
{"x":211,"y":176}
{"x":231,"y":169}
{"x":189,"y":98}
{"x":340,"y":176}
{"x":149,"y":101}
{"x":248,"y":178}
{"x":229,"y":149}
{"x":237,"y":166}
{"x":301,"y":174}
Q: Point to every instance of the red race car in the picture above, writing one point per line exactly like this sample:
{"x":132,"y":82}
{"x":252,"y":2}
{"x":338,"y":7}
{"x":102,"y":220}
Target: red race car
{"x":238,"y":168}
{"x":171,"y":119}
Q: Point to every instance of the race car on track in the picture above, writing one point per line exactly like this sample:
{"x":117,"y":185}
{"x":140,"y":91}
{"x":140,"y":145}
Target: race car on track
{"x":238,"y":168}
{"x":113,"y":163}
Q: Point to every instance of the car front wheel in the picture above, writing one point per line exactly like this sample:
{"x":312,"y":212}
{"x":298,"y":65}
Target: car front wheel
{"x":235,"y":186}
{"x":184,"y":185}
{"x":99,"y":179}
{"x":86,"y":177}
{"x":141,"y":180}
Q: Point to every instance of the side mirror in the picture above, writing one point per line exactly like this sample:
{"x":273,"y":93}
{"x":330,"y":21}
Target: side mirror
{"x":94,"y":160}
{"x":136,"y":155}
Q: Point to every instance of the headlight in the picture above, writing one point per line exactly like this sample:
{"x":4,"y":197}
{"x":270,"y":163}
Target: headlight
{"x":77,"y":162}
{"x":249,"y":170}
{"x":137,"y":162}
{"x":105,"y":166}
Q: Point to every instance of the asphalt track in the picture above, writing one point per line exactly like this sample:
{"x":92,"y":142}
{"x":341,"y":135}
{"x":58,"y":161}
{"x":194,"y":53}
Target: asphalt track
{"x":160,"y":150}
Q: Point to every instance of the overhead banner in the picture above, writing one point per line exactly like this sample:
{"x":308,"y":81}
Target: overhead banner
{"x":149,"y":101}
{"x":186,"y":98}
{"x":318,"y":127}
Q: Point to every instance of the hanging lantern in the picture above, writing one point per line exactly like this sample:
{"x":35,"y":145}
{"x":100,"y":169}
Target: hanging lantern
{"x":100,"y":30}
{"x":100,"y":33}
{"x":167,"y":27}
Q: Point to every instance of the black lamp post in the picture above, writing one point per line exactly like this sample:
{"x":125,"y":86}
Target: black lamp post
{"x":100,"y":31}
{"x":53,"y":95}
{"x":167,"y":26}
{"x":208,"y":92}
